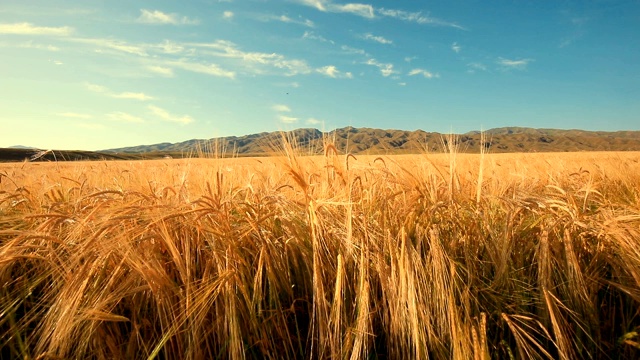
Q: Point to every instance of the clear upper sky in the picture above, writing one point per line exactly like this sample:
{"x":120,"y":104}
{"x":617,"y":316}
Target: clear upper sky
{"x":103,"y":74}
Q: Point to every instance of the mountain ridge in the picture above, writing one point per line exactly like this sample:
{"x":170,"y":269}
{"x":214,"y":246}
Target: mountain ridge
{"x":381,"y":141}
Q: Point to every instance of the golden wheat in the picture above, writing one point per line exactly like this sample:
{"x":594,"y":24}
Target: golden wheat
{"x":339,"y":256}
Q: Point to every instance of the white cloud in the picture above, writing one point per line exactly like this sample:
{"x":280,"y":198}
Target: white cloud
{"x":227,"y":15}
{"x":455,"y":47}
{"x":209,"y":69}
{"x":288,"y":119}
{"x":132,"y":95}
{"x":281,"y":108}
{"x":312,"y":36}
{"x":520,"y":64}
{"x":410,"y":58}
{"x":417,"y":17}
{"x":286,"y":19}
{"x":379,"y":39}
{"x":364,"y":10}
{"x":170,"y":47}
{"x":402,"y":83}
{"x":30,"y":29}
{"x":333,"y":72}
{"x":121,"y":46}
{"x":476,"y":66}
{"x":32,"y":45}
{"x":314,"y":121}
{"x":57,"y":62}
{"x":351,"y":50}
{"x":165,"y":71}
{"x":123,"y":95}
{"x":425,"y":73}
{"x":254,"y":61}
{"x":124,"y":117}
{"x":385,"y":69}
{"x":158,"y":17}
{"x":330,"y":71}
{"x":75,"y":115}
{"x":165,"y":115}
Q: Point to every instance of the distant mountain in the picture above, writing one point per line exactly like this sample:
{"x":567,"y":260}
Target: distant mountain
{"x":21,"y":147}
{"x":355,"y":141}
{"x":377,"y":141}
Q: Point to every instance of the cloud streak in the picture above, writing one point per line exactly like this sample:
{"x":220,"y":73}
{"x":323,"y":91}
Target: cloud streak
{"x":166,"y":116}
{"x":378,"y":39}
{"x":123,"y":95}
{"x":159,"y":17}
{"x":386,"y":69}
{"x":30,"y":29}
{"x":370,"y":12}
{"x":424,"y":73}
{"x":520,"y":64}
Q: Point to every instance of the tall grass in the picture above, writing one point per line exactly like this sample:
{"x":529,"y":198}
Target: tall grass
{"x":421,"y":257}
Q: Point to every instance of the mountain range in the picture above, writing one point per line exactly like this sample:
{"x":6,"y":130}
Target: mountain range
{"x":377,"y":141}
{"x":356,"y":141}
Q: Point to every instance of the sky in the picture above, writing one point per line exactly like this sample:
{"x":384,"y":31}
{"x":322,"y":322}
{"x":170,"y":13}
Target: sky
{"x":93,"y":75}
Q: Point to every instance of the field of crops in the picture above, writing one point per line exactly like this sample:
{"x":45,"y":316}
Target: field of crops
{"x":439,"y":256}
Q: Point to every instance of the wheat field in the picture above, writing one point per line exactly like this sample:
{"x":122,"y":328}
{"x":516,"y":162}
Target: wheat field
{"x":431,"y":256}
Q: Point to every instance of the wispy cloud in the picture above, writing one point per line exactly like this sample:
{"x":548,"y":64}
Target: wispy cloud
{"x":254,"y":61}
{"x":202,"y":68}
{"x":285,"y":19}
{"x":159,"y":17}
{"x":368,"y":11}
{"x":74,"y":115}
{"x":417,"y":17}
{"x":288,"y":119}
{"x":164,"y":71}
{"x":425,"y":73}
{"x":314,"y":121}
{"x":364,"y":10}
{"x":30,"y":29}
{"x":385,"y":68}
{"x":123,"y":95}
{"x":121,"y":46}
{"x":313,"y":36}
{"x":132,"y":95}
{"x":333,"y":72}
{"x":281,"y":108}
{"x":455,"y":47}
{"x":228,"y":15}
{"x":32,"y":45}
{"x":352,"y":50}
{"x":475,"y":66}
{"x":378,"y":39}
{"x":165,"y":115}
{"x":520,"y":64}
{"x":124,"y":117}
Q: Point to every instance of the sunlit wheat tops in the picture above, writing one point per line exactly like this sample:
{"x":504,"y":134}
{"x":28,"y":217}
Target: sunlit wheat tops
{"x":524,"y":256}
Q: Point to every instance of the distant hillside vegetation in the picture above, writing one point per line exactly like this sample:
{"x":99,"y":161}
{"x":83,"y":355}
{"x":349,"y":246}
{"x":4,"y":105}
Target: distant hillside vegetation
{"x":377,"y":141}
{"x":355,"y":141}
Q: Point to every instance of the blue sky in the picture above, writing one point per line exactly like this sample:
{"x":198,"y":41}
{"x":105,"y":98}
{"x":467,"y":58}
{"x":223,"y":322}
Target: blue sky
{"x":103,"y":74}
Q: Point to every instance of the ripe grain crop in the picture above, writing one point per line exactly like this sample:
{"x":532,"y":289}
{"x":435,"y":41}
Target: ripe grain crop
{"x":433,"y":256}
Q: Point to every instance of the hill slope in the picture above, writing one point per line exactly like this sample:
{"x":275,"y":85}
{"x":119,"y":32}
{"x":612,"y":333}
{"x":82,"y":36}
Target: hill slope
{"x":377,"y":141}
{"x":355,"y":141}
